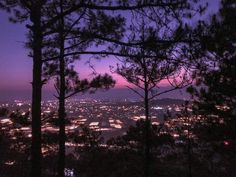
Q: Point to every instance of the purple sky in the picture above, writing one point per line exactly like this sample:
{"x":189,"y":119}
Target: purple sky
{"x":16,"y":66}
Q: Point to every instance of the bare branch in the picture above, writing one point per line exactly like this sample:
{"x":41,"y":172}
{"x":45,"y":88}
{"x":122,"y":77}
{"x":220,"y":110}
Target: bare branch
{"x":109,"y":8}
{"x":76,"y":92}
{"x":166,"y":91}
{"x":135,"y":91}
{"x":101,"y":53}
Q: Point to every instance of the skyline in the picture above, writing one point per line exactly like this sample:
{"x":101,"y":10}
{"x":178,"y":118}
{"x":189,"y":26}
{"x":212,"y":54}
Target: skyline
{"x":111,"y":94}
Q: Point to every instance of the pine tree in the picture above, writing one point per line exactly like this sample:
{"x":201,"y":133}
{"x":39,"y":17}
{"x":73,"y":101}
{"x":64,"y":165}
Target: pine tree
{"x":158,"y":54}
{"x":214,"y":93}
{"x":68,"y":83}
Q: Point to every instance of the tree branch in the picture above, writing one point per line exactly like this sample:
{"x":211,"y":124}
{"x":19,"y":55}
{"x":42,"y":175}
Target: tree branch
{"x":109,"y":8}
{"x":75,"y":92}
{"x":135,"y":91}
{"x":166,"y":91}
{"x":101,"y":53}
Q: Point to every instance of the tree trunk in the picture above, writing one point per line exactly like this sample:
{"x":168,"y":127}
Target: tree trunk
{"x":189,"y":152}
{"x":61,"y":110}
{"x":62,"y":135}
{"x":36,"y":154}
{"x":147,"y":128}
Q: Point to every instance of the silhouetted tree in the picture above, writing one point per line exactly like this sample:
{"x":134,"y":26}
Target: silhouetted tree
{"x":132,"y":145}
{"x":15,"y":146}
{"x":214,"y":94}
{"x":4,"y":112}
{"x":20,"y":118}
{"x":186,"y":133}
{"x":89,"y":151}
{"x":68,"y":82}
{"x":159,"y":56}
{"x":34,"y":11}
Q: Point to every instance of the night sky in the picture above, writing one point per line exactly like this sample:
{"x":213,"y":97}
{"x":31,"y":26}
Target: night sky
{"x":16,"y":66}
